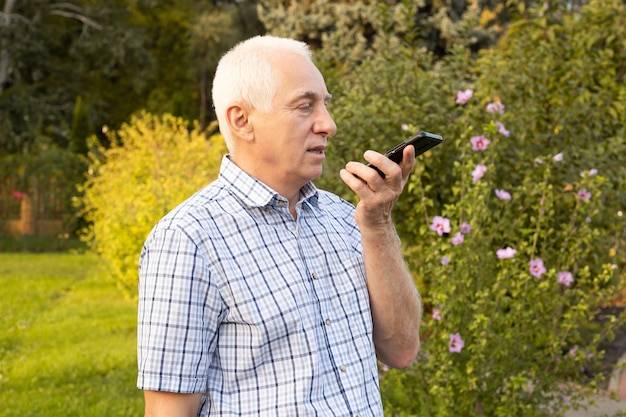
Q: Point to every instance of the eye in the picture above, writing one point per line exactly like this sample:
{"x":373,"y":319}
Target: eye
{"x":306,"y":107}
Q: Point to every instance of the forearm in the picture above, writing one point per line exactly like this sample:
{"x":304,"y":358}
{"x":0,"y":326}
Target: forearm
{"x":395,"y":302}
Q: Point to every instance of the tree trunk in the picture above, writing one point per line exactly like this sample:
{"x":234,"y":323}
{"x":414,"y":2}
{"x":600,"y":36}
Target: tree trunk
{"x":5,"y":57}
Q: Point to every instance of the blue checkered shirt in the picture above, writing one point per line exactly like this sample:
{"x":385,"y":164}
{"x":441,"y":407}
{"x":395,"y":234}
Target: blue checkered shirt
{"x":263,"y":314}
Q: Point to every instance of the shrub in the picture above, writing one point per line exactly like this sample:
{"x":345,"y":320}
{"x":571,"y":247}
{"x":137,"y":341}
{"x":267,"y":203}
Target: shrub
{"x":152,"y":165}
{"x":526,"y":337}
{"x":511,"y":294}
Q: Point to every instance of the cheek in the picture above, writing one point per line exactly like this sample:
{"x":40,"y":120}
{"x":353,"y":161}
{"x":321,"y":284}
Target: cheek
{"x":276,"y":150}
{"x":283,"y":141}
{"x":289,"y":140}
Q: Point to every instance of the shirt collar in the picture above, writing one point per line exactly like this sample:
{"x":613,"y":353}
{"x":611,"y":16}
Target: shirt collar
{"x":255,"y":193}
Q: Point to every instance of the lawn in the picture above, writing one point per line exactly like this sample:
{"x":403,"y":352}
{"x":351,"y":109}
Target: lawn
{"x":68,"y":341}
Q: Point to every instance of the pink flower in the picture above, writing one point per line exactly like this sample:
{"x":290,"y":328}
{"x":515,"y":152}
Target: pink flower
{"x":478,"y":172}
{"x":506,"y":253}
{"x":536,"y":267}
{"x":440,"y":225}
{"x":445,"y":261}
{"x":465,"y":228}
{"x":495,"y":107}
{"x":463,"y":97}
{"x":457,"y":239}
{"x":502,"y":130}
{"x":503,"y":195}
{"x":593,"y":172}
{"x":583,"y":194}
{"x":404,"y":127}
{"x":558,"y":157}
{"x":456,"y":343}
{"x":437,"y":314}
{"x":565,"y":278}
{"x":19,"y":195}
{"x":479,"y":143}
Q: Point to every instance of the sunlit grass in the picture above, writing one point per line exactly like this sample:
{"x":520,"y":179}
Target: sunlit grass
{"x":68,"y":342}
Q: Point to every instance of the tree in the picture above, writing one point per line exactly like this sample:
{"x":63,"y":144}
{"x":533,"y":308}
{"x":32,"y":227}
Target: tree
{"x":81,"y":128}
{"x":119,"y":57}
{"x":213,"y":31}
{"x":350,"y":31}
{"x":54,"y":52}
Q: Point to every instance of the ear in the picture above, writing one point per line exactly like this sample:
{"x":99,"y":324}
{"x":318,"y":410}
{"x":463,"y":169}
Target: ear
{"x":239,"y":122}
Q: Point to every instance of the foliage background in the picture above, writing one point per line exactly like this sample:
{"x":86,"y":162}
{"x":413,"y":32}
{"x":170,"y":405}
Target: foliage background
{"x":563,"y":93}
{"x":390,"y":65}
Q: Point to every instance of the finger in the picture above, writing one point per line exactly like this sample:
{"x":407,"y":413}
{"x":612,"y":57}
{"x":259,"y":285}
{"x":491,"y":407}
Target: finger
{"x":364,"y":175}
{"x":384,"y":164}
{"x":356,"y":183}
{"x":408,"y":161}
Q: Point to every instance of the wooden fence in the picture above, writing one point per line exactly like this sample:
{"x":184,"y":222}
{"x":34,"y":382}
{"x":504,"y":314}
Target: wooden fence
{"x":38,"y":211}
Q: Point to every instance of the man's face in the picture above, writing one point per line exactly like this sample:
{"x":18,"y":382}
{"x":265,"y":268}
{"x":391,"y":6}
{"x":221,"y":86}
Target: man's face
{"x":290,"y":142}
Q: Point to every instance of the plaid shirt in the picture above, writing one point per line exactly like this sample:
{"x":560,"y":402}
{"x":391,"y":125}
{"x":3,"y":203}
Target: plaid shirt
{"x":263,"y":314}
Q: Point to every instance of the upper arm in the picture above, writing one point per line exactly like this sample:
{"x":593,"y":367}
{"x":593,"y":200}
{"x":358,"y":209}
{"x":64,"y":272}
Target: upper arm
{"x":171,"y":404}
{"x":178,"y":314}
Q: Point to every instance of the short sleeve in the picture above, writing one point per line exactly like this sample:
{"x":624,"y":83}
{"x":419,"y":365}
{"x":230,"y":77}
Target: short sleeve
{"x":178,"y":314}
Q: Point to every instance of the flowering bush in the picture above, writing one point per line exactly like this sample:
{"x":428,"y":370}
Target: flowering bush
{"x":509,"y":287}
{"x":514,"y":224}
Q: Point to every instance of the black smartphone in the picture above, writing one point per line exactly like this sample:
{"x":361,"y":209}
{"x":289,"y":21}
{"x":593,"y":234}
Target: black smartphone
{"x":422,"y":142}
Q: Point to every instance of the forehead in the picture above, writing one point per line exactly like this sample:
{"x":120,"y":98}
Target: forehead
{"x":299,"y":78}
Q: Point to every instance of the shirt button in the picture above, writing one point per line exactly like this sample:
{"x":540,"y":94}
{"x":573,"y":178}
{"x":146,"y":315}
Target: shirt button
{"x":327,"y":322}
{"x":314,"y":275}
{"x":281,"y":203}
{"x":357,"y":415}
{"x":342,"y":368}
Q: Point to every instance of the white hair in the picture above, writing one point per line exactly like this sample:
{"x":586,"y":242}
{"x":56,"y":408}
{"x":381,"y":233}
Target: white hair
{"x":245,"y":75}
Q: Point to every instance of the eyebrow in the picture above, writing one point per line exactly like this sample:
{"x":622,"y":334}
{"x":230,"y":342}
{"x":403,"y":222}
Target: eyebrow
{"x":310,"y":95}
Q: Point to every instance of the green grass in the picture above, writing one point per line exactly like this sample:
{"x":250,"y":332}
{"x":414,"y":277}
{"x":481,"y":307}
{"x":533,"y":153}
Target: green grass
{"x":57,"y":243}
{"x":68,"y":340}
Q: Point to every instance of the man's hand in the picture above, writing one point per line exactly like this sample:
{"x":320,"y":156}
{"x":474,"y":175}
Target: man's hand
{"x":378,"y":195}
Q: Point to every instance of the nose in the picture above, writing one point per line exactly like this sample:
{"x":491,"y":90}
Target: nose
{"x":324,"y":124}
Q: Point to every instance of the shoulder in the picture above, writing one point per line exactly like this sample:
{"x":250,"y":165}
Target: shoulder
{"x":194,"y":214}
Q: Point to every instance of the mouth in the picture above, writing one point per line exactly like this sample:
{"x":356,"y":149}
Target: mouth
{"x":320,"y":150}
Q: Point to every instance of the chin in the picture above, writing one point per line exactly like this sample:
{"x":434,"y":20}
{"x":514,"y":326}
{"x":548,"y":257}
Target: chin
{"x":316,"y":175}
